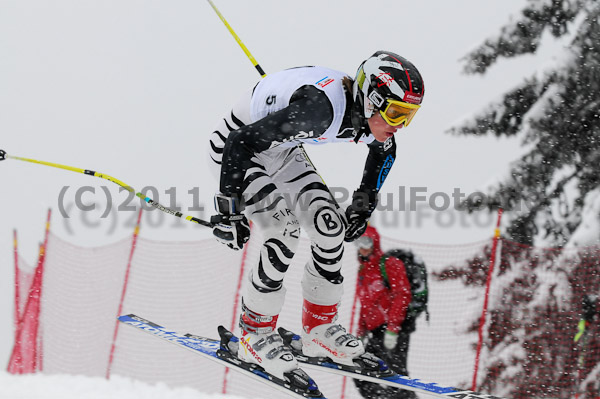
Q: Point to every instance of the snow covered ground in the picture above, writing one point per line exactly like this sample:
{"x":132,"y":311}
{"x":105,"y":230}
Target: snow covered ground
{"x":42,"y":386}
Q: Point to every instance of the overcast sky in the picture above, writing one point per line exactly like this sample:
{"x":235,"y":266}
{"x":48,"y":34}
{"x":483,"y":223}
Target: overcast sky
{"x":134,"y":88}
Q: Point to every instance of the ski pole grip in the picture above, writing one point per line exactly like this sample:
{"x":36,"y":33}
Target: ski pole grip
{"x":2,"y":155}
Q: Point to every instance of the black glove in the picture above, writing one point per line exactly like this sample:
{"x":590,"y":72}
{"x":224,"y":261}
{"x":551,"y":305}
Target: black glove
{"x":230,"y":227}
{"x":358,"y":214}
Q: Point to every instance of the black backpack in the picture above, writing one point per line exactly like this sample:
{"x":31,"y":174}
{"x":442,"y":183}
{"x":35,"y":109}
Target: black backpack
{"x":417,"y":276}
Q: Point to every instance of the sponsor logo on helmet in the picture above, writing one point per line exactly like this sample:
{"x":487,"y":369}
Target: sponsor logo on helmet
{"x":385,"y":79}
{"x":325,"y":81}
{"x":376,"y":99}
{"x":412,"y":98}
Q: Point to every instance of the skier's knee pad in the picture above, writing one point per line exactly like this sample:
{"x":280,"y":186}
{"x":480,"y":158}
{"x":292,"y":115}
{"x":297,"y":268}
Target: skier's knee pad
{"x":319,"y":290}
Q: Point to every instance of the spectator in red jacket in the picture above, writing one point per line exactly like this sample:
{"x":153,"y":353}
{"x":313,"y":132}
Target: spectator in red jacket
{"x":383,"y":322}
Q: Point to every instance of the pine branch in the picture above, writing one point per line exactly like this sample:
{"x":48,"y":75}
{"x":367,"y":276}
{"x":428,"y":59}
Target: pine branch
{"x":524,"y":35}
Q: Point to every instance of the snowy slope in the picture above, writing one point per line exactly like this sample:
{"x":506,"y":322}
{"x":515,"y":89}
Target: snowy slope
{"x":41,"y":386}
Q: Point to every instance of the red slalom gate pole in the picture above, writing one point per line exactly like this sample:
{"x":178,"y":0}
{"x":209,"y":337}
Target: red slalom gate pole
{"x":39,"y":364}
{"x":15,"y":361}
{"x":27,"y":355}
{"x":486,"y":299}
{"x":236,"y":302}
{"x":352,"y":314}
{"x":136,"y":233}
{"x":17,"y":280}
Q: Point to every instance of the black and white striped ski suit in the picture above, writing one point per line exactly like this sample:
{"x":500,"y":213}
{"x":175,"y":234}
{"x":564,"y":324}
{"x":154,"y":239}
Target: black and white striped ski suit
{"x":257,"y":151}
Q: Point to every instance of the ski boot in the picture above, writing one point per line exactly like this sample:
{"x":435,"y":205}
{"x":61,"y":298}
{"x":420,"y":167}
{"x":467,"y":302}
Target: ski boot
{"x":326,"y":344}
{"x":262,"y":350}
{"x":321,"y":337}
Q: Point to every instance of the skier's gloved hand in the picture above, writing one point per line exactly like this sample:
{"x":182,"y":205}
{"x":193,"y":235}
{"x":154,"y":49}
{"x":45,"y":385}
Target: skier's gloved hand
{"x":358,"y":214}
{"x":390,"y":340}
{"x":230,"y":227}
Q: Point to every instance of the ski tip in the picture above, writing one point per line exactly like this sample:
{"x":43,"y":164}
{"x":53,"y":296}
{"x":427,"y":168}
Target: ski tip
{"x":129,"y":316}
{"x":125,"y":317}
{"x":132,"y":317}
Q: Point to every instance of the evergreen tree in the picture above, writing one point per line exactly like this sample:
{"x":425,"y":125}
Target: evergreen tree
{"x":535,"y":305}
{"x":556,"y":114}
{"x":551,"y":196}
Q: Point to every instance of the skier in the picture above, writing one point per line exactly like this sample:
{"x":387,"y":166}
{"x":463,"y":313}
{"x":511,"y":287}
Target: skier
{"x":388,"y":309}
{"x":265,"y":176}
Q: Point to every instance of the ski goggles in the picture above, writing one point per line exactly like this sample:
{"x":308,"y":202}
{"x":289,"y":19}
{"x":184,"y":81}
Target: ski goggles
{"x":364,"y":242}
{"x":398,"y":112}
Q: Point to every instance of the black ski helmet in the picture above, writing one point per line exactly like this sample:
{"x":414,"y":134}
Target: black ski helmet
{"x":386,"y":76}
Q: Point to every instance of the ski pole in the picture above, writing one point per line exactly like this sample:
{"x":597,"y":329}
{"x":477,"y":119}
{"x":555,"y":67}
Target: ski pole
{"x":239,"y":41}
{"x":213,"y":220}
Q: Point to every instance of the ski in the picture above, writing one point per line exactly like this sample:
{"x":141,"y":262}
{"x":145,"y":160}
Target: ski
{"x":367,"y":367}
{"x":370,"y":368}
{"x":298,"y":384}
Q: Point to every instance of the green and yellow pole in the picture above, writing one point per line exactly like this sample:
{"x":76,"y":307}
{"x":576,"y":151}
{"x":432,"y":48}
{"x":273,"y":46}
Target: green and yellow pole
{"x":148,"y":200}
{"x":238,"y":40}
{"x":214,"y":219}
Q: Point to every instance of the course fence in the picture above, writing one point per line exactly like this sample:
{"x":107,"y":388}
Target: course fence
{"x":66,"y":308}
